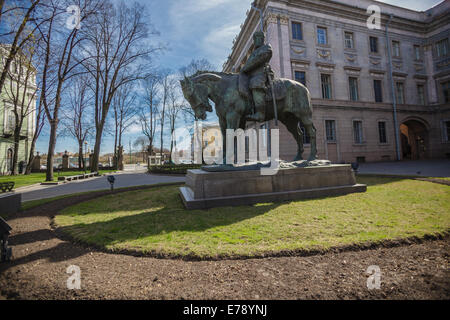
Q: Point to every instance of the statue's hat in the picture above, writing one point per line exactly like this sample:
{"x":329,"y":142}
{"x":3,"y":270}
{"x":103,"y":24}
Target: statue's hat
{"x":258,"y":34}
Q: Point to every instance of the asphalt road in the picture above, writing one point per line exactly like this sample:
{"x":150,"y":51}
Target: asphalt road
{"x":137,"y":176}
{"x":425,"y":168}
{"x":100,"y":183}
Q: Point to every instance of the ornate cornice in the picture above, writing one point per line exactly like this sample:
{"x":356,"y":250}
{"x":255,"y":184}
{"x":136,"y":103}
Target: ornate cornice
{"x":400,"y":74}
{"x":420,"y":77}
{"x":377,"y":73}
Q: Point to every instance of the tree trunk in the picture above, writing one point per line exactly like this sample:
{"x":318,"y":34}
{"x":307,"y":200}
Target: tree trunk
{"x":162,"y":134}
{"x":51,"y":150}
{"x":16,"y":151}
{"x":80,"y":156}
{"x":30,"y":161}
{"x":116,"y":153}
{"x":171,"y":146}
{"x":31,"y":157}
{"x":96,"y":155}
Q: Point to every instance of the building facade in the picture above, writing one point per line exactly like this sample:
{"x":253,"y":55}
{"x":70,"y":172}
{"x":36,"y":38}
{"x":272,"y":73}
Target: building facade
{"x":354,"y":82}
{"x":16,"y":93}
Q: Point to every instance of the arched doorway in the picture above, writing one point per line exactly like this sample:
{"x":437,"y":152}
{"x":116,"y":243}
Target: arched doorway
{"x":414,"y":140}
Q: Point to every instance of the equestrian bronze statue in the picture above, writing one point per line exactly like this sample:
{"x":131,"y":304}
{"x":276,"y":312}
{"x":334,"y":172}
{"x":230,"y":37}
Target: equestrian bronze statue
{"x":253,"y":95}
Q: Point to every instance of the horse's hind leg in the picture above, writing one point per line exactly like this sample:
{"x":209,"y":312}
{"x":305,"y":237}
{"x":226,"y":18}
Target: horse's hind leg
{"x":311,"y":130}
{"x":293,"y":127}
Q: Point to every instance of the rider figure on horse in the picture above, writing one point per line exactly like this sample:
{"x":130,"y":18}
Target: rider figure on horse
{"x":257,"y":68}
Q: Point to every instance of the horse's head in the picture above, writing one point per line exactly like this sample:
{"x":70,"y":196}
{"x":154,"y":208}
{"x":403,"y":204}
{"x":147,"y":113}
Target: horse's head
{"x":196,"y":91}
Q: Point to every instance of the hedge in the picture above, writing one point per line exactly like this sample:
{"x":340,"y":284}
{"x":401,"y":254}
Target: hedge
{"x":173,"y":168}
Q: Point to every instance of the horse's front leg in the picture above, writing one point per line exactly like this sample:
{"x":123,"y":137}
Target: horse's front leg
{"x":233,"y":122}
{"x":223,"y":129}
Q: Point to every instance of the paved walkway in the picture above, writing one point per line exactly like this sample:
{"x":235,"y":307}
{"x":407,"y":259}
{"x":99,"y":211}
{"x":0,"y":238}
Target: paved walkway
{"x":122,"y":180}
{"x":425,"y":168}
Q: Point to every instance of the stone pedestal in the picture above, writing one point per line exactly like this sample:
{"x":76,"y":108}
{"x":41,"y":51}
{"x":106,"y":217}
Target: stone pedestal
{"x":36,"y":166}
{"x":233,"y":188}
{"x":65,"y":161}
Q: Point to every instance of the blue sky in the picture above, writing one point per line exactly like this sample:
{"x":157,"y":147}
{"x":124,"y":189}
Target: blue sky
{"x":195,"y":29}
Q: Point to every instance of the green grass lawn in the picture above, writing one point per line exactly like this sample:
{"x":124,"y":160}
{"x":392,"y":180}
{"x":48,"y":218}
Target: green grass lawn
{"x":26,"y":180}
{"x":155,"y":221}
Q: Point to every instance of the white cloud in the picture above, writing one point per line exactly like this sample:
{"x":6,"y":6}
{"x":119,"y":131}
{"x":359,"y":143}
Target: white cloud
{"x":206,"y":26}
{"x":134,"y":128}
{"x":217,"y":43}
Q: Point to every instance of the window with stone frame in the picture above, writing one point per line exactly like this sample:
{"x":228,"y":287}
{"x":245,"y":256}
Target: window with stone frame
{"x":396,"y":48}
{"x":322,"y":37}
{"x":326,"y":86}
{"x":353,"y":88}
{"x":300,"y":76}
{"x":442,"y":48}
{"x":10,"y":120}
{"x":357,"y":132}
{"x":382,"y":132}
{"x":378,"y":90}
{"x":400,"y":92}
{"x":373,"y":41}
{"x":330,"y":129}
{"x":297,"y":31}
{"x":446,"y":128}
{"x":421,"y":94}
{"x":417,"y":53}
{"x":349,"y":40}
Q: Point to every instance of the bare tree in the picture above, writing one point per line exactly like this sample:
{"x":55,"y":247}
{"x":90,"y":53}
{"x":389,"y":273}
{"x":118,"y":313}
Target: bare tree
{"x":77,"y":119}
{"x":117,"y":42}
{"x":125,"y":112}
{"x":60,"y":64}
{"x":195,"y":66}
{"x":167,"y":86}
{"x":148,"y":116}
{"x":20,"y":35}
{"x":140,"y":143}
{"x":39,"y":124}
{"x":21,"y":92}
{"x":173,"y":111}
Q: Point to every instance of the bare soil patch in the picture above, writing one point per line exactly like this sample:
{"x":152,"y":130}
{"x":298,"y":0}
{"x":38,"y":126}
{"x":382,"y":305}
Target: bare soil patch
{"x":38,"y":271}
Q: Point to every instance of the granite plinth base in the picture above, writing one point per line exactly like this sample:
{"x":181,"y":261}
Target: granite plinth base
{"x":234,"y":188}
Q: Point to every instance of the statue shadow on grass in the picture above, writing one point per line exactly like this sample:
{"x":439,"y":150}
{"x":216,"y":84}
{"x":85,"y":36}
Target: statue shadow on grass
{"x":164,"y":220}
{"x":165,"y":214}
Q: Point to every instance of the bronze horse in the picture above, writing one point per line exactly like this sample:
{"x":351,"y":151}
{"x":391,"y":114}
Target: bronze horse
{"x":232,"y":107}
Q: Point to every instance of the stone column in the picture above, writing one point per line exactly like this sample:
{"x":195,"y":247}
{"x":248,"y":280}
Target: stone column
{"x":271,"y":28}
{"x":431,"y":83}
{"x":278,"y":35}
{"x":285,"y":46}
{"x":36,"y":166}
{"x":65,"y":160}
